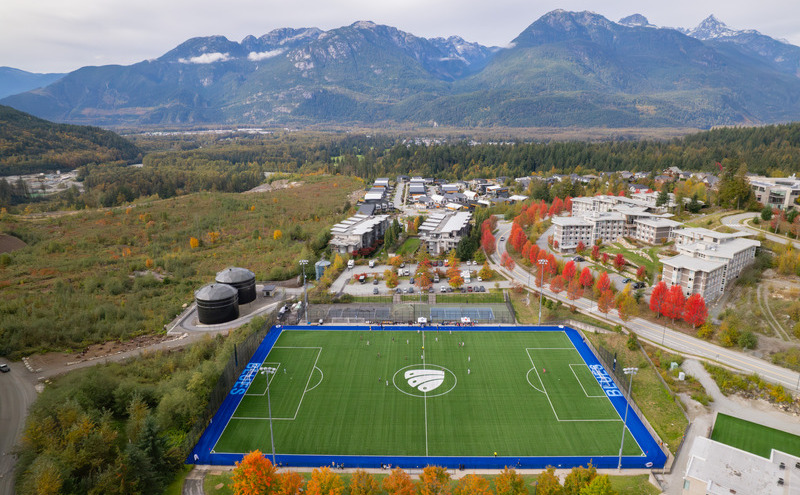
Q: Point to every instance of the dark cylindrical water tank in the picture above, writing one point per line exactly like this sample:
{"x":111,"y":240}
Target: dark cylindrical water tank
{"x":242,"y":280}
{"x":217,"y":303}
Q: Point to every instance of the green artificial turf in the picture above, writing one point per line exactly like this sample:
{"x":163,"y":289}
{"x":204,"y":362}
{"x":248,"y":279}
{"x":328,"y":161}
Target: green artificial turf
{"x":330,"y":396}
{"x":752,"y":437}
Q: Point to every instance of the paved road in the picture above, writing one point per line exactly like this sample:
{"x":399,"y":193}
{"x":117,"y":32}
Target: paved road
{"x":662,"y":335}
{"x":735,"y":221}
{"x":17,"y":393}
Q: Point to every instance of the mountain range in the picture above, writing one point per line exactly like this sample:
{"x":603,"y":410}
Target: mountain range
{"x":565,"y":69}
{"x":13,"y":81}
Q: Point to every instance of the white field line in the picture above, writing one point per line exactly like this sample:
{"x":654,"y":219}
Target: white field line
{"x":425,"y":395}
{"x":581,"y":383}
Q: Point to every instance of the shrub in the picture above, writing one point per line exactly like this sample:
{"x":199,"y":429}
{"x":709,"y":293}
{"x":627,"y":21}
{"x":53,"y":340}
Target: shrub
{"x":748,"y":340}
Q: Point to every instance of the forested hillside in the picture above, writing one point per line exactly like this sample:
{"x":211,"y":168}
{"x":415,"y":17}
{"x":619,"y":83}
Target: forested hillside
{"x":29,"y":144}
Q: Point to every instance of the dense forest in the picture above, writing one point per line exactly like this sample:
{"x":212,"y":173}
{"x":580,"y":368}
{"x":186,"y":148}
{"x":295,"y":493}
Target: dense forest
{"x":30,"y":145}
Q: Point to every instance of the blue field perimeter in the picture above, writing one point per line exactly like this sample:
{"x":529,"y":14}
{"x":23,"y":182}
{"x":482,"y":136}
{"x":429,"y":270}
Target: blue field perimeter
{"x":654,"y":457}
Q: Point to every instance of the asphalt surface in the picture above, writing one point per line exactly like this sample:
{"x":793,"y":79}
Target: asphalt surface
{"x":17,"y":393}
{"x":735,"y":221}
{"x":660,"y":334}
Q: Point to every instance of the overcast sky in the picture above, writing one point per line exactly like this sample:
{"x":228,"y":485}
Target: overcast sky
{"x":61,"y":36}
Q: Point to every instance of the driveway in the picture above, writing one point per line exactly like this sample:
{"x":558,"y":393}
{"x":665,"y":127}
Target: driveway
{"x":735,"y":222}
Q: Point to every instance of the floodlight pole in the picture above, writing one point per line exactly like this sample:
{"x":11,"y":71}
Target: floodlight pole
{"x":541,"y":262}
{"x":266,"y":370}
{"x":303,"y":263}
{"x":632,"y":372}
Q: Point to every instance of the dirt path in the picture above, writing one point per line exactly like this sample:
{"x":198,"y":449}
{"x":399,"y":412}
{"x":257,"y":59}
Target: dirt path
{"x":763,"y":303}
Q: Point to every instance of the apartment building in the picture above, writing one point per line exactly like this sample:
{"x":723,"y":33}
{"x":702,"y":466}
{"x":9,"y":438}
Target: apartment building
{"x":653,"y":230}
{"x":442,"y":232}
{"x":781,"y":193}
{"x":695,"y":275}
{"x":570,"y":231}
{"x":357,"y":232}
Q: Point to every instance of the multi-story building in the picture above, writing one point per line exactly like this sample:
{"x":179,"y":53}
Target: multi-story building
{"x":718,"y":469}
{"x":357,"y":232}
{"x":570,"y":231}
{"x":653,"y":230}
{"x":732,"y":251}
{"x":781,"y":193}
{"x":442,"y":232}
{"x":695,"y":275}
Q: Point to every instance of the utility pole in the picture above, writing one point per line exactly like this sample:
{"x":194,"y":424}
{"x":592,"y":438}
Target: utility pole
{"x":632,"y":372}
{"x":303,"y":263}
{"x":541,"y":262}
{"x":267,"y":370}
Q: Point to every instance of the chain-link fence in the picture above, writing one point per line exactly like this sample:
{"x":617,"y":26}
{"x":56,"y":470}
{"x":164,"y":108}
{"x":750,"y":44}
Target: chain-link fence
{"x":242,"y":352}
{"x":409,"y":312}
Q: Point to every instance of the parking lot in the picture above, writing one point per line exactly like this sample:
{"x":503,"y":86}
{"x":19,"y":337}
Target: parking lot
{"x":346,"y":284}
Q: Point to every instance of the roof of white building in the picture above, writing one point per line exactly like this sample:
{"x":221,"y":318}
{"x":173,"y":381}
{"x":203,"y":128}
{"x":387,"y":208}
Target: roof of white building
{"x":694,"y":264}
{"x":657,"y":222}
{"x":728,"y":470}
{"x":571,"y":221}
{"x":445,"y":223}
{"x":725,"y":250}
{"x":357,"y":224}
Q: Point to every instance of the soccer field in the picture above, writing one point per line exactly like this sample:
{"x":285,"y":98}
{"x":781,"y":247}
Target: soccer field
{"x":416,"y":393}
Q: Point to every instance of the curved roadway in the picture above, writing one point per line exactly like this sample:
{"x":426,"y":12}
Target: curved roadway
{"x":17,"y":393}
{"x":657,"y":333}
{"x":735,"y":222}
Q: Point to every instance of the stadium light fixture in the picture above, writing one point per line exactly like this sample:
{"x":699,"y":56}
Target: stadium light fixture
{"x":542,"y":262}
{"x":632,"y":372}
{"x":269,"y":370}
{"x":303,"y":263}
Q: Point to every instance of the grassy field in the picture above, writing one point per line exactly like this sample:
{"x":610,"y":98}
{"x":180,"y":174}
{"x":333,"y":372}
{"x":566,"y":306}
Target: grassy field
{"x":752,"y":437}
{"x":525,"y":394}
{"x":94,"y":276}
{"x":409,"y":247}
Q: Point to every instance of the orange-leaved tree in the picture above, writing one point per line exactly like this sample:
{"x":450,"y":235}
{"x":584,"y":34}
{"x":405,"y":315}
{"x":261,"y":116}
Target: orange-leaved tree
{"x":472,"y":484}
{"x":508,"y":482}
{"x":399,"y":483}
{"x":434,"y":480}
{"x":363,"y":483}
{"x":325,"y":482}
{"x":547,"y":483}
{"x":254,"y":475}
{"x":606,"y":301}
{"x":291,"y":483}
{"x":578,"y":478}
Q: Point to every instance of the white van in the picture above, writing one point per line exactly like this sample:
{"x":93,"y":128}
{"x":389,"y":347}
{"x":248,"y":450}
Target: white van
{"x":372,"y":263}
{"x":351,"y":263}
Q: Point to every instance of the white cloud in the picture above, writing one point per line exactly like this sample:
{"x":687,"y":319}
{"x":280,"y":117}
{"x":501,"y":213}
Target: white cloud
{"x":256,"y":56}
{"x":206,"y":58}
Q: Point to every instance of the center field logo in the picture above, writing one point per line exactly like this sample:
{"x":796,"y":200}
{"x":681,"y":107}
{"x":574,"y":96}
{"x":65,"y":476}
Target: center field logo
{"x":428,"y":380}
{"x":425,"y":380}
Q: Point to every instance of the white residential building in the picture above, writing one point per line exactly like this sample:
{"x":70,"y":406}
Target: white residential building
{"x":654,"y":230}
{"x":731,"y":251}
{"x":569,"y":231}
{"x":357,"y":232}
{"x":718,"y":469}
{"x":442,"y":232}
{"x":694,"y":275}
{"x":776,"y":192}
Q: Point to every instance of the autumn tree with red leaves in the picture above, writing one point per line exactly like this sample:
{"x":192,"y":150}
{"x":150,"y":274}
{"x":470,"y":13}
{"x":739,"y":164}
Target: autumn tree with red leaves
{"x":603,"y":283}
{"x":619,"y":261}
{"x":488,"y":242}
{"x":606,"y":301}
{"x":580,"y":248}
{"x":507,"y":261}
{"x":595,"y":252}
{"x":658,"y":297}
{"x":605,"y":258}
{"x":695,"y":311}
{"x":641,"y":273}
{"x":533,"y":254}
{"x":574,"y":289}
{"x":586,"y":279}
{"x":254,"y":475}
{"x":569,"y":270}
{"x":673,"y":303}
{"x":557,"y":284}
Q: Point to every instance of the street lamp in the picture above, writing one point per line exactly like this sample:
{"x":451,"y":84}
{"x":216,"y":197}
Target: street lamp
{"x":303,"y":263}
{"x":268,"y":370}
{"x":632,"y":372}
{"x":542,"y":262}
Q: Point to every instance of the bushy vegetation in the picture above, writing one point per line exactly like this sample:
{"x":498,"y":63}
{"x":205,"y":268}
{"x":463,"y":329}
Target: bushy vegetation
{"x":29,"y":144}
{"x":753,"y":385}
{"x":102,"y":275}
{"x":121,"y":428}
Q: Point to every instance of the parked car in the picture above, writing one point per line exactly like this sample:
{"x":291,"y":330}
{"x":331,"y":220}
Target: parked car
{"x":479,"y":279}
{"x":410,"y":290}
{"x":430,"y":290}
{"x":639,"y":285}
{"x":627,"y":281}
{"x":469,"y":289}
{"x":372,"y":263}
{"x":483,"y":289}
{"x":402,"y":265}
{"x":375,"y":282}
{"x":4,"y":368}
{"x":443,"y":289}
{"x":578,"y":259}
{"x":375,"y":290}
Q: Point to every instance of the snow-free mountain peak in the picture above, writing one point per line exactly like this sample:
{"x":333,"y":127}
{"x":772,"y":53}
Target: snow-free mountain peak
{"x":636,"y":20}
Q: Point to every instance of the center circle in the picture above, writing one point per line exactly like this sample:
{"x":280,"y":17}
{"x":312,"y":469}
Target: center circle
{"x":416,"y":382}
